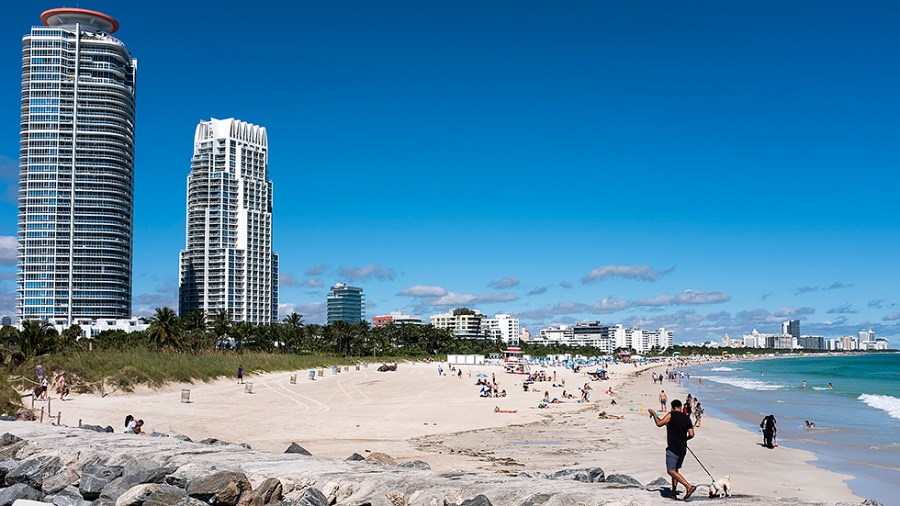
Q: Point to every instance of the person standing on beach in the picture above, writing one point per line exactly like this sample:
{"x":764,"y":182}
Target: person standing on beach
{"x":240,"y":374}
{"x":663,"y":400}
{"x":679,"y":430}
{"x":769,"y":431}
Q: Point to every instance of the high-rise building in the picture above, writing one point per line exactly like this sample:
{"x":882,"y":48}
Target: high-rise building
{"x":345,"y":304}
{"x":791,"y":328}
{"x":228,"y":263}
{"x":502,"y":326}
{"x":76,"y":163}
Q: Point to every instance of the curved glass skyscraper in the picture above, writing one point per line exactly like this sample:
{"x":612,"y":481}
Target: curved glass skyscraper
{"x":228,"y":263}
{"x":76,"y":158}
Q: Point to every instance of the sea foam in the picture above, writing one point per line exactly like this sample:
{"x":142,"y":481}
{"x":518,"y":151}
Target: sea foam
{"x":746,"y":384}
{"x":886,"y":403}
{"x":721,"y":369}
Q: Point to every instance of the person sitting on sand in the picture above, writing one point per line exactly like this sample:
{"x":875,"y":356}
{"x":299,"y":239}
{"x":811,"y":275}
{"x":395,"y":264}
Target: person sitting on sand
{"x":129,"y":424}
{"x":138,"y":427}
{"x":606,"y":416}
{"x":502,"y":393}
{"x":546,"y":396}
{"x":498,"y":410}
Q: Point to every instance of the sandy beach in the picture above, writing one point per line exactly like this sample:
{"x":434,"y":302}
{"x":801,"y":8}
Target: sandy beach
{"x":414,"y":413}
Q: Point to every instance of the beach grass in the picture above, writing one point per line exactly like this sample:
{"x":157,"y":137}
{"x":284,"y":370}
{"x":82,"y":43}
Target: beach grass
{"x":123,"y":370}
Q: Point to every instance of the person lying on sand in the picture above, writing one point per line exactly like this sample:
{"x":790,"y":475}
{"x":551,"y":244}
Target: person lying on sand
{"x":606,"y":416}
{"x":498,"y":410}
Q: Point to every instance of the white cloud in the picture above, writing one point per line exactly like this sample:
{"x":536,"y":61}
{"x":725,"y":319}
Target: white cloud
{"x":538,"y":291}
{"x":504,"y":283}
{"x":892,"y":316}
{"x":452,"y":299}
{"x":316,"y":270}
{"x":366,"y":273}
{"x":687,"y":297}
{"x":313,"y":282}
{"x":287,"y":279}
{"x":642,"y":272}
{"x":610,"y":305}
{"x":789,"y":311}
{"x":313,"y":312}
{"x":424,"y":291}
{"x":8,"y":245}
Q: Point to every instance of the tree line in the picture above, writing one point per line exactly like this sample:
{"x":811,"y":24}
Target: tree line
{"x":199,"y":332}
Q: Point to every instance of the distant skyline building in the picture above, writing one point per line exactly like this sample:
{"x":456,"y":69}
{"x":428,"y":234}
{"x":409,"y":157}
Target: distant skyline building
{"x":502,"y":326}
{"x":345,"y":303}
{"x":396,"y":318}
{"x":791,"y":328}
{"x":228,"y":263}
{"x":76,"y":170}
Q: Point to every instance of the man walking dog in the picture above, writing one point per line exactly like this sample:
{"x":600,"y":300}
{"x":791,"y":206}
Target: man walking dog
{"x":678,"y":430}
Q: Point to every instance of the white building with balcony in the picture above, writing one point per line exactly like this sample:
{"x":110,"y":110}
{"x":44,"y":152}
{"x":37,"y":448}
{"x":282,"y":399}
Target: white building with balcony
{"x":76,"y":170}
{"x":228,"y":263}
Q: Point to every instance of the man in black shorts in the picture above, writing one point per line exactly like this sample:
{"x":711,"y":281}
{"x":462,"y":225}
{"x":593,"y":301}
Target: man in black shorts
{"x":678,"y":430}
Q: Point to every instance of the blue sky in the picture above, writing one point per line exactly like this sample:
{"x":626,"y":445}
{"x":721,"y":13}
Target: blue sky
{"x":707,"y":167}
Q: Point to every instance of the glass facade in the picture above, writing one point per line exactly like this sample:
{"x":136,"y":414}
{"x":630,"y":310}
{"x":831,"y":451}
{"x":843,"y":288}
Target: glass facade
{"x":345,"y":303}
{"x":76,"y":165}
{"x":228,"y":263}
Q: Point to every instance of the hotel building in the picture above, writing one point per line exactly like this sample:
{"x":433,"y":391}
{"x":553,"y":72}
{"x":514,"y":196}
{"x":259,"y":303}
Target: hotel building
{"x":76,"y":165}
{"x":228,"y":263}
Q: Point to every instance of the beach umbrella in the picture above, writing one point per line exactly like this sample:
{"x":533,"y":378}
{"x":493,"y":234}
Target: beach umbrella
{"x":481,"y":375}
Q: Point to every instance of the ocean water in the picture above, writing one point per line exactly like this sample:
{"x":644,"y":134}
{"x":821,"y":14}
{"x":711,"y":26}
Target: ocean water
{"x":857,"y":419}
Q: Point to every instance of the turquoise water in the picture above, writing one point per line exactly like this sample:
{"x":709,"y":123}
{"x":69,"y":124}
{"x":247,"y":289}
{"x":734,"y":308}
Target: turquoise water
{"x":857,"y":420}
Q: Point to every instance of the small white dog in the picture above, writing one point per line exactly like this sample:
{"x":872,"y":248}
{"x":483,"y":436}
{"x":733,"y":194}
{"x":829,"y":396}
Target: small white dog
{"x":721,"y":487}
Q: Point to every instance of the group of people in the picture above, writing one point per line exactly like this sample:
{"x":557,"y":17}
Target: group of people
{"x":41,"y":390}
{"x":691,"y":406}
{"x":133,"y":426}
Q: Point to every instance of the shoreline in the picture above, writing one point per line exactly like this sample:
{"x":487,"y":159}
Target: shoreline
{"x":415,"y":414}
{"x":839,"y":447}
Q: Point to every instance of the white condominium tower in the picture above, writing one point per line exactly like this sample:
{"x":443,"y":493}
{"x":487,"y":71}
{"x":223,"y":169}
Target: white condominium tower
{"x":228,"y":263}
{"x":76,"y":164}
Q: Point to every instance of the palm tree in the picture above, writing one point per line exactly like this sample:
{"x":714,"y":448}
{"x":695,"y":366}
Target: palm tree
{"x":195,"y":329}
{"x":293,"y":331}
{"x":36,"y":338}
{"x":165,"y":328}
{"x":221,"y":326}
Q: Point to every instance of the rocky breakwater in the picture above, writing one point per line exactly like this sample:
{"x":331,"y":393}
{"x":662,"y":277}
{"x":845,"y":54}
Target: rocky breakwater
{"x":66,"y":466}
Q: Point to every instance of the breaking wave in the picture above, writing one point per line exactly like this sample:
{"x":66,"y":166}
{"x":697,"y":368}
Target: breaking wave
{"x":746,"y":384}
{"x":721,"y":369}
{"x":886,"y":403}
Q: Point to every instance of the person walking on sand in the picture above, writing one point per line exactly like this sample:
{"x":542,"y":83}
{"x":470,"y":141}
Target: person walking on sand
{"x":663,"y":400}
{"x":240,"y":374}
{"x":678,"y":431}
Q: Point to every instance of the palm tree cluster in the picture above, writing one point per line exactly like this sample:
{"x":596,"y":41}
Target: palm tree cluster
{"x":198,"y":332}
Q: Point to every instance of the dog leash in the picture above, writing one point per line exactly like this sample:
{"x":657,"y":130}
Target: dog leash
{"x":701,"y":465}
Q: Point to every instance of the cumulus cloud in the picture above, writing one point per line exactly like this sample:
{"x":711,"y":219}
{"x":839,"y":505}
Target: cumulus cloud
{"x":566,"y":307}
{"x":790,"y":312}
{"x":8,"y":245}
{"x":504,"y":283}
{"x":833,"y":286}
{"x":453,"y":299}
{"x":538,"y":291}
{"x":316,"y":270}
{"x":687,"y":297}
{"x":366,"y":273}
{"x":313,"y":312}
{"x":844,"y":309}
{"x":313,"y":282}
{"x":609,"y":305}
{"x":641,"y":272}
{"x":164,"y":296}
{"x":892,"y":316}
{"x":287,"y":279}
{"x":424,"y":291}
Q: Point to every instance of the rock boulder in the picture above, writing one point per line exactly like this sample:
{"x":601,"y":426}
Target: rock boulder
{"x":222,"y":488}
